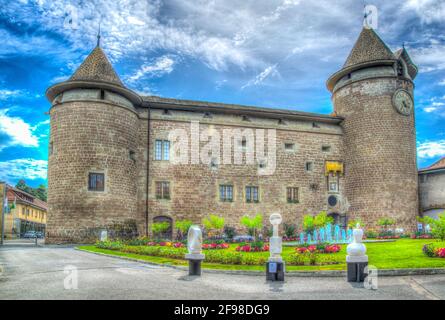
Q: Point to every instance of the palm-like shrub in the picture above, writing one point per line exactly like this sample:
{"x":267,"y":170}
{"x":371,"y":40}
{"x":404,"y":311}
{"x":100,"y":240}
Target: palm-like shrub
{"x":214,"y":223}
{"x":252,"y":224}
{"x":183,"y":227}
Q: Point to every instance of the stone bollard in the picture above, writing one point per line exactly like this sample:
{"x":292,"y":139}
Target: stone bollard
{"x":194,"y":246}
{"x":356,"y":260}
{"x":275,"y":266}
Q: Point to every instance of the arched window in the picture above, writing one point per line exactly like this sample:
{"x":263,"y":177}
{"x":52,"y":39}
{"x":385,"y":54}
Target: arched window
{"x":168,"y":234}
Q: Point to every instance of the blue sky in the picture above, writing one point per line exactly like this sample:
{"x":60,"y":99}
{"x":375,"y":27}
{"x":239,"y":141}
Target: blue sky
{"x":272,"y":53}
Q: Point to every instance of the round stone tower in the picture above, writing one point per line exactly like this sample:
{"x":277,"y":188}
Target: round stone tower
{"x":373,"y":92}
{"x":92,"y":147}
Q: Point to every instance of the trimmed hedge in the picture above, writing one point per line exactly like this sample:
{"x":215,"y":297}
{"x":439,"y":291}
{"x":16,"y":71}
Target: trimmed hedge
{"x":223,"y":256}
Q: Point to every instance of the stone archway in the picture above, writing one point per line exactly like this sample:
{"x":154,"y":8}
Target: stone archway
{"x":169,"y":233}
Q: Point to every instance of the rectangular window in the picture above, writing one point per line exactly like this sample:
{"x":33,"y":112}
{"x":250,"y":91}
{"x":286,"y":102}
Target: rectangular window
{"x":252,"y":194}
{"x":309,"y":166}
{"x":292,"y":195}
{"x":326,"y":148}
{"x":162,"y":150}
{"x":289,"y":146}
{"x":96,"y":182}
{"x":162,"y":190}
{"x":226,"y":193}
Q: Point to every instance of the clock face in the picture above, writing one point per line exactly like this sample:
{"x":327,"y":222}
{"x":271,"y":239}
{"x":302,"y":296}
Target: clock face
{"x":403,"y":102}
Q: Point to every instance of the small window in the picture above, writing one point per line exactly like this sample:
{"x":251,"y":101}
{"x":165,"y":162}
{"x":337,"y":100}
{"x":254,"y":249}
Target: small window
{"x":132,"y":155}
{"x":162,"y":190}
{"x":214,"y":163}
{"x":51,"y":148}
{"x":162,"y":150}
{"x":102,"y":95}
{"x":252,"y":194}
{"x":244,"y":142}
{"x":333,"y":187}
{"x":262,"y":164}
{"x":289,"y":146}
{"x":207,"y":115}
{"x":315,"y":125}
{"x":246,"y":118}
{"x":226,"y":193}
{"x":292,"y":195}
{"x":282,"y":122}
{"x":309,"y":166}
{"x":96,"y":182}
{"x":326,"y":148}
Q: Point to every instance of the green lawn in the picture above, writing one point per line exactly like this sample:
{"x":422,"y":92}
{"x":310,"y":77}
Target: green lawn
{"x":403,"y":253}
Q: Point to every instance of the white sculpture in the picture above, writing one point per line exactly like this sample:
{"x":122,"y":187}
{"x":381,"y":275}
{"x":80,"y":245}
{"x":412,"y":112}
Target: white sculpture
{"x":194,"y":240}
{"x":275,"y":247}
{"x":356,"y":249}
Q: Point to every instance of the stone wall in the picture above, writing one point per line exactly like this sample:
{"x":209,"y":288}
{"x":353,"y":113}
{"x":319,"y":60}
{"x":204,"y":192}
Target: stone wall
{"x":432,"y":192}
{"x":195,"y":187}
{"x":91,"y":136}
{"x":380,"y":152}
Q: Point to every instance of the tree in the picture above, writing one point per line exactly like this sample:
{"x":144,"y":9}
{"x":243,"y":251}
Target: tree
{"x":183,"y":227}
{"x":310,"y":223}
{"x":253,"y":224}
{"x":437,"y":225}
{"x":214,"y":223}
{"x":40,"y":192}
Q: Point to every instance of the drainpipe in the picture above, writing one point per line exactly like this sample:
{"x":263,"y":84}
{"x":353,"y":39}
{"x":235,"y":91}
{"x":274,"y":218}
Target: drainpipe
{"x":3,"y":213}
{"x":148,"y":170}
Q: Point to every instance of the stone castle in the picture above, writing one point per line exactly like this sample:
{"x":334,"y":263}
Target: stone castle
{"x":110,"y":154}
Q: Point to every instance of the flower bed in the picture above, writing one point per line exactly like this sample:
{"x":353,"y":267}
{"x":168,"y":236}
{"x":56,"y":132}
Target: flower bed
{"x":166,"y":244}
{"x":215,"y":246}
{"x":422,"y":236}
{"x":322,"y":248}
{"x":430,"y":250}
{"x":252,"y":248}
{"x":222,"y":256}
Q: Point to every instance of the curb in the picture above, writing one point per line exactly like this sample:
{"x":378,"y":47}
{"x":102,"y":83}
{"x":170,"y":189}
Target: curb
{"x":317,"y":274}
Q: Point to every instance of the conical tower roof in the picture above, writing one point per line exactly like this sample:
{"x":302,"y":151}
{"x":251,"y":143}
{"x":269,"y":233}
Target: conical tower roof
{"x":95,"y":72}
{"x":96,"y":67}
{"x":369,"y":47}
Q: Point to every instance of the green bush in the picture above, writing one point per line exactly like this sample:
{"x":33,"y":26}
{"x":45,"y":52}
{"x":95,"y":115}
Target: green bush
{"x":437,"y":225}
{"x":158,"y":228}
{"x":290,"y":230}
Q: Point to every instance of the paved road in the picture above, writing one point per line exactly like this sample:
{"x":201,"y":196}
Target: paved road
{"x":38,"y":273}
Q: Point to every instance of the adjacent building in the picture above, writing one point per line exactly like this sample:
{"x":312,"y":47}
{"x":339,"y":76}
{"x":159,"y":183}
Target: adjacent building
{"x":113,"y":155}
{"x":24,"y":212}
{"x":432,"y":189}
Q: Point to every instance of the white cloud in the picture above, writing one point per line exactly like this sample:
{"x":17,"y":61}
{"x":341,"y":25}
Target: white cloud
{"x":17,"y":132}
{"x":431,"y":149}
{"x":269,"y":71}
{"x":429,"y":11}
{"x":156,"y":68}
{"x":442,"y":83}
{"x":6,"y":94}
{"x":28,"y":169}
